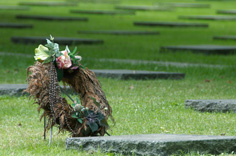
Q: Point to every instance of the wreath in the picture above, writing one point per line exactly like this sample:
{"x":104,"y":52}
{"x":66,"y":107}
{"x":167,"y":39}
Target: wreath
{"x":88,"y":114}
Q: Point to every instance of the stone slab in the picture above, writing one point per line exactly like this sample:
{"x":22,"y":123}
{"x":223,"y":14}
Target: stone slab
{"x":102,"y":12}
{"x":170,"y":24}
{"x":50,"y":18}
{"x":209,"y":17}
{"x":60,"y":40}
{"x":17,"y":89}
{"x":120,"y":32}
{"x":11,"y":7}
{"x":212,"y":105}
{"x":184,"y":5}
{"x":206,"y":49}
{"x":143,"y":8}
{"x":232,"y":12}
{"x":224,"y":37}
{"x":48,"y":3}
{"x":155,"y":144}
{"x":137,"y":74}
{"x":15,"y":25}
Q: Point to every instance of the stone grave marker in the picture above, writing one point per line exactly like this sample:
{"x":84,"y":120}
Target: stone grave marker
{"x":48,"y":3}
{"x":155,"y":144}
{"x":60,"y":40}
{"x":209,"y":17}
{"x":233,"y":12}
{"x":143,"y":8}
{"x":15,"y":25}
{"x":136,"y":74}
{"x":184,"y":5}
{"x":102,"y":12}
{"x":10,"y":7}
{"x":206,"y":49}
{"x":170,"y":24}
{"x":18,"y":89}
{"x":224,"y":37}
{"x":50,"y":18}
{"x":223,"y":105}
{"x":120,"y":32}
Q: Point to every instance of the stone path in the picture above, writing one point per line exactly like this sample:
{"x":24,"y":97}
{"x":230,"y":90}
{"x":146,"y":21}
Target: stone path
{"x":170,"y":24}
{"x":120,"y":32}
{"x":155,"y":144}
{"x":60,"y":40}
{"x":232,"y":12}
{"x":15,"y":25}
{"x":102,"y":12}
{"x":224,"y":37}
{"x":212,"y":105}
{"x":50,"y":18}
{"x":52,"y":3}
{"x":206,"y":49}
{"x":209,"y":17}
{"x":137,"y":74}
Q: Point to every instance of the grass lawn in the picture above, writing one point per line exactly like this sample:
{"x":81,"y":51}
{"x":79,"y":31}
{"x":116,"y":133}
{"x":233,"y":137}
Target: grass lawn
{"x":152,"y":106}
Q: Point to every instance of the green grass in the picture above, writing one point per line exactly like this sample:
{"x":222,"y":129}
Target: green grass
{"x":154,"y":106}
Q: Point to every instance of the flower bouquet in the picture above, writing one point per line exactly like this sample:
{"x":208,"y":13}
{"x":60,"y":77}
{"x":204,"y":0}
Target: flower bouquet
{"x":85,"y":116}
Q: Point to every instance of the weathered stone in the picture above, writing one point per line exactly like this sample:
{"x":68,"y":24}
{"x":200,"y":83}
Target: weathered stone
{"x":155,"y":144}
{"x":224,"y":37}
{"x":52,"y":3}
{"x":143,"y":8}
{"x":185,"y":5}
{"x":209,"y":17}
{"x":60,"y":40}
{"x":17,"y":89}
{"x":170,"y":24}
{"x":50,"y":18}
{"x":226,"y":12}
{"x":15,"y":25}
{"x":10,"y":7}
{"x":212,"y":105}
{"x":206,"y":49}
{"x":102,"y":12}
{"x":120,"y":32}
{"x":137,"y":75}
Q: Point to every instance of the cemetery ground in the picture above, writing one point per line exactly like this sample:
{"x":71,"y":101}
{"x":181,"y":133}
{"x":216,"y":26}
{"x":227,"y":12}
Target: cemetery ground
{"x":139,"y":107}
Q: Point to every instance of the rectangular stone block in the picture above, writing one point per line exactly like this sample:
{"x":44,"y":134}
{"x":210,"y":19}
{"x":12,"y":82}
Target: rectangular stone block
{"x":170,"y":24}
{"x":48,"y":3}
{"x":50,"y":18}
{"x":155,"y":144}
{"x":224,"y":37}
{"x":223,"y":105}
{"x":60,"y":40}
{"x":209,"y":17}
{"x":120,"y":32}
{"x":231,"y":12}
{"x":15,"y":25}
{"x":143,"y":8}
{"x":102,"y":12}
{"x":137,"y":75}
{"x":206,"y":49}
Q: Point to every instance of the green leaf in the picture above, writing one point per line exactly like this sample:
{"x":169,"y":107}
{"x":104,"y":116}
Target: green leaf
{"x":74,"y":51}
{"x":73,"y":105}
{"x":59,"y":74}
{"x":74,"y":115}
{"x":104,"y":123}
{"x":93,"y":126}
{"x":49,"y":59}
{"x":77,"y":100}
{"x":80,"y":120}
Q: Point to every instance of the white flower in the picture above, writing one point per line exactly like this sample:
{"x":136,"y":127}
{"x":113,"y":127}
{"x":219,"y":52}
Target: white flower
{"x":40,"y":53}
{"x":78,"y":58}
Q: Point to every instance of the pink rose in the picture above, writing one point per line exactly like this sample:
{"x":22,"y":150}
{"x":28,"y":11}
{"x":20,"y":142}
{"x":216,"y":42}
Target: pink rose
{"x":64,"y":61}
